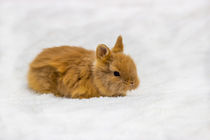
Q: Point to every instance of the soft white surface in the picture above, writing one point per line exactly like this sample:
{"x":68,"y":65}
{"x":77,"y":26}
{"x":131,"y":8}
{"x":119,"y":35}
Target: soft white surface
{"x":168,"y":39}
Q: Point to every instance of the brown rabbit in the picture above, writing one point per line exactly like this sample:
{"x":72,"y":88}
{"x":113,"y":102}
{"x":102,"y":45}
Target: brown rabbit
{"x":79,"y":73}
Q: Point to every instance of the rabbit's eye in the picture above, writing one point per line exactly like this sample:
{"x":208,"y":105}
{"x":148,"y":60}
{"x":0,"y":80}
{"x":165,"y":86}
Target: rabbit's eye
{"x":116,"y":73}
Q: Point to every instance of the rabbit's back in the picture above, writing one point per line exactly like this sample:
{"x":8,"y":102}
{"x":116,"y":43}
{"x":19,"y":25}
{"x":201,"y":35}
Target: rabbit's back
{"x":57,"y":69}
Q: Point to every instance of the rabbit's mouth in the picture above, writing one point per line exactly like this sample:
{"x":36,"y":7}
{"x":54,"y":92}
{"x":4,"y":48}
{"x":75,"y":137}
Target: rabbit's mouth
{"x":133,"y":85}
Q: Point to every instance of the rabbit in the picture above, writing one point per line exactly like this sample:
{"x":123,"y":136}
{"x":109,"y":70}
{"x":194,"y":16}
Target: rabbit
{"x":75,"y":72}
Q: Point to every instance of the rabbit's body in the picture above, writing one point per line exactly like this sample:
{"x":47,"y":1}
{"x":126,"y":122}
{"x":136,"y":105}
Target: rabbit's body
{"x":79,"y":73}
{"x":64,"y":71}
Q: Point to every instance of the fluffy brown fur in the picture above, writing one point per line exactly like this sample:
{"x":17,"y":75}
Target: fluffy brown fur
{"x":79,"y":73}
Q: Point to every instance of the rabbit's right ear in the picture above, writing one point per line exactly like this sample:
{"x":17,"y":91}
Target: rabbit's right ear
{"x":118,"y":47}
{"x":103,"y":52}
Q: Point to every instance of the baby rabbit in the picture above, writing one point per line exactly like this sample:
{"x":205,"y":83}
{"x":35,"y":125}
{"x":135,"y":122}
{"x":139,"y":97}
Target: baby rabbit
{"x":79,"y":73}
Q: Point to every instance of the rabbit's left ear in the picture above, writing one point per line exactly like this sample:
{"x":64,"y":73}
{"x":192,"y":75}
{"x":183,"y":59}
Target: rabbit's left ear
{"x":118,"y":47}
{"x":102,"y":52}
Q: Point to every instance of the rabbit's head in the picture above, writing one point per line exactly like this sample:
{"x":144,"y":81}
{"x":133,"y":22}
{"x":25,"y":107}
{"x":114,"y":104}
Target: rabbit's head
{"x":114,"y":72}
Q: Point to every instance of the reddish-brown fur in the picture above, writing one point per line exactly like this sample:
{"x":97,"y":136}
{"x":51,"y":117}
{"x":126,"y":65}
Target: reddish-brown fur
{"x":79,"y":73}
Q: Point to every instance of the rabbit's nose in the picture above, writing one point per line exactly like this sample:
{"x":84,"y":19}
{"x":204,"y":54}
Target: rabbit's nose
{"x":131,"y":82}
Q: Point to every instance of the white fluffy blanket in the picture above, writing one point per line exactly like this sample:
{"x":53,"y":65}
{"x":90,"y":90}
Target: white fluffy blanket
{"x":169,"y":41}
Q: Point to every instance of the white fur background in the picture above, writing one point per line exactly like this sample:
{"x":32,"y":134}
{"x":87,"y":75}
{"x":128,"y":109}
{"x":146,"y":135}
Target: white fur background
{"x":168,"y":39}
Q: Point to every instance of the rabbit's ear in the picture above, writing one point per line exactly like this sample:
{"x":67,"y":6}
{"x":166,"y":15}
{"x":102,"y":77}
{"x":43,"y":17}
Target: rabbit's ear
{"x":118,"y":47}
{"x":103,"y":52}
